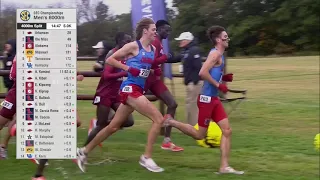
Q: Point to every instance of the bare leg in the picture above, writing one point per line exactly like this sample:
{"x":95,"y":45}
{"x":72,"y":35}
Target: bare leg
{"x":146,"y":108}
{"x":8,"y":135}
{"x":225,"y":143}
{"x":188,"y":129}
{"x":3,"y":121}
{"x":172,"y":105}
{"x":120,"y":117}
{"x":102,"y":121}
{"x":40,"y":168}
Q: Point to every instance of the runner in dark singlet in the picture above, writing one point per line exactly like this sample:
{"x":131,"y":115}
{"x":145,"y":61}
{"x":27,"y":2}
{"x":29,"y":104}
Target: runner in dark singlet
{"x":157,"y":86}
{"x":107,"y":93}
{"x":8,"y":108}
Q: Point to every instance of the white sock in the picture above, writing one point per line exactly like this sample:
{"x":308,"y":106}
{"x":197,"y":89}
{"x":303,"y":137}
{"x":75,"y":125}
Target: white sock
{"x":167,"y":140}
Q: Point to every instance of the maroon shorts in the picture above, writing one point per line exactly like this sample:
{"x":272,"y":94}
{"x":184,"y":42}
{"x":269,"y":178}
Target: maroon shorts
{"x":156,"y":86}
{"x":210,"y":108}
{"x":8,"y":109}
{"x":131,"y":90}
{"x":105,"y":100}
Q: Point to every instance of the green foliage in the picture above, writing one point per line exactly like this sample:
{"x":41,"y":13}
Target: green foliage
{"x":255,"y":27}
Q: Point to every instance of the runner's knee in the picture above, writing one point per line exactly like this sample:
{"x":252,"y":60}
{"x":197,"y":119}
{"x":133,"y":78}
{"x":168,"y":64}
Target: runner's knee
{"x":227,"y":132}
{"x":158,"y":118}
{"x":172,"y":104}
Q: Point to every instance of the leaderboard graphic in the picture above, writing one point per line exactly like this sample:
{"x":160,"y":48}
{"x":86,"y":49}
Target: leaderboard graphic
{"x":46,"y":83}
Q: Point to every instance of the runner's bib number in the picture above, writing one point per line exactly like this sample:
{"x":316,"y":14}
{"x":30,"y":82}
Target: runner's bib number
{"x":144,"y":73}
{"x":127,"y":89}
{"x":205,"y":99}
{"x":6,"y":104}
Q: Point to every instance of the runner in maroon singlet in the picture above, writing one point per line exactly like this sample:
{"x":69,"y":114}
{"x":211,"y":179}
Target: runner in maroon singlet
{"x":107,"y":93}
{"x":8,"y":108}
{"x":157,"y":86}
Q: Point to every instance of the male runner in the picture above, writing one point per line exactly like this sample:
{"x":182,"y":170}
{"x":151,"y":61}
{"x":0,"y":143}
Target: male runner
{"x":210,"y":107}
{"x":107,"y":93}
{"x":139,"y":58}
{"x":156,"y":85}
{"x":8,"y":109}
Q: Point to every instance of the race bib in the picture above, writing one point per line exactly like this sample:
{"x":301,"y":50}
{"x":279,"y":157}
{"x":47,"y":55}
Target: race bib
{"x":127,"y":89}
{"x":6,"y":104}
{"x":96,"y":99}
{"x":180,"y":68}
{"x":144,"y":73}
{"x":205,"y":99}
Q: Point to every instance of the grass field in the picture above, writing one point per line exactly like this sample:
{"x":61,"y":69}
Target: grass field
{"x":273,"y":132}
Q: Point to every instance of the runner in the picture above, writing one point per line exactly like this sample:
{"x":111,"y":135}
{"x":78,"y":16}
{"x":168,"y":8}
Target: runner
{"x":107,"y":93}
{"x":210,"y":107}
{"x":156,"y":85}
{"x":140,"y":56}
{"x":8,"y":109}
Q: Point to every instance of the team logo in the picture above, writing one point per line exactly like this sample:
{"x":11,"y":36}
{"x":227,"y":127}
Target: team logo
{"x":29,"y":52}
{"x":207,"y":121}
{"x":25,"y":15}
{"x":29,"y":150}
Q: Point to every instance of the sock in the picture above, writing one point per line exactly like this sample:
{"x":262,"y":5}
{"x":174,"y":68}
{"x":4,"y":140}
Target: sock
{"x":167,"y":140}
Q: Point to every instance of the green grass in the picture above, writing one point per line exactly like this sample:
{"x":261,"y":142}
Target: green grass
{"x":273,"y":131}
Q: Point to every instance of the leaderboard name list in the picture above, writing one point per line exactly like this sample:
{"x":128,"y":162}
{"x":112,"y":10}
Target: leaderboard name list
{"x":46,"y":83}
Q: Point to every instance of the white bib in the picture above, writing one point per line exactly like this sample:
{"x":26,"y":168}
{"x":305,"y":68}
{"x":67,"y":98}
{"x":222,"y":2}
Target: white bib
{"x":6,"y":104}
{"x":96,"y":99}
{"x":144,"y":73}
{"x":127,"y":89}
{"x":205,"y":99}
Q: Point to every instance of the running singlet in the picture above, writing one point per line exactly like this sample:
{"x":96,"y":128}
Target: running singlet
{"x":110,"y":86}
{"x":216,"y":73}
{"x":143,"y":62}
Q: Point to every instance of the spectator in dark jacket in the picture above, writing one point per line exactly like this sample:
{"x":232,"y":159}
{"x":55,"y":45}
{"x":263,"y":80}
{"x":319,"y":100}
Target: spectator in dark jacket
{"x":190,"y":67}
{"x":9,"y":53}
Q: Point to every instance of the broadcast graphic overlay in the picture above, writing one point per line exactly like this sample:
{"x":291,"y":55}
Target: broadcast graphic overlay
{"x":46,"y":83}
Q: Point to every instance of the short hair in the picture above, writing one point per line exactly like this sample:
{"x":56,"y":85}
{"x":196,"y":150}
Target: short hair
{"x":120,"y":36}
{"x":142,"y":24}
{"x":161,"y":23}
{"x":213,"y":32}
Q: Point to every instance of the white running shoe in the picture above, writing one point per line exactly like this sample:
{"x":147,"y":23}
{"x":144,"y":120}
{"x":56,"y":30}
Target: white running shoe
{"x":81,"y":159}
{"x":230,"y":170}
{"x":3,"y":153}
{"x":149,"y":164}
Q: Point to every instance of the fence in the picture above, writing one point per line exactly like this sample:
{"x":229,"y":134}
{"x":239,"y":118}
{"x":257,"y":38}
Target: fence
{"x":96,"y":74}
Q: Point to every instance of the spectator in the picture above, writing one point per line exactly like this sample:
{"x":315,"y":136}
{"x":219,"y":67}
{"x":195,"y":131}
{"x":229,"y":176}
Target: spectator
{"x":191,"y":65}
{"x":102,"y":49}
{"x":9,"y":53}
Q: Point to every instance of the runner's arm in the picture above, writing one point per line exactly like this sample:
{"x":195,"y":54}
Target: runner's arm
{"x":207,"y":65}
{"x":12,"y":74}
{"x":126,"y":50}
{"x":107,"y":73}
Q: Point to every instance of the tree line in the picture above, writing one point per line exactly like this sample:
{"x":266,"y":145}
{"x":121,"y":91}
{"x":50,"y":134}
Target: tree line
{"x":256,"y":27}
